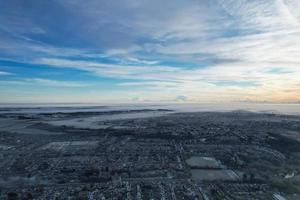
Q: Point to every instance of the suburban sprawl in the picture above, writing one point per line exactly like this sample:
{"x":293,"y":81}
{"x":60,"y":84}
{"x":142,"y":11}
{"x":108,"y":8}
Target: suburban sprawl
{"x":144,"y":154}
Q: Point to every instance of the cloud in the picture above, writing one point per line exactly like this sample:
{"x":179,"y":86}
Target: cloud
{"x":56,"y":83}
{"x":5,"y":73}
{"x":203,"y":49}
{"x":181,"y":98}
{"x":45,"y":82}
{"x":109,"y":70}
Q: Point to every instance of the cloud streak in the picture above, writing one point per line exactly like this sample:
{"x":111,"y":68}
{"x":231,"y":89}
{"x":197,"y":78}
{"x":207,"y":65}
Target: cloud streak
{"x":4,"y":73}
{"x":45,"y":82}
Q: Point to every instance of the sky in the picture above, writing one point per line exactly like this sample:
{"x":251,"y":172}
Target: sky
{"x":116,"y":51}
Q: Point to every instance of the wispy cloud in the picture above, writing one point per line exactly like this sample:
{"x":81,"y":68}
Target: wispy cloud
{"x":237,"y":49}
{"x":5,"y":73}
{"x":56,"y":83}
{"x":45,"y":82}
{"x":181,"y":98}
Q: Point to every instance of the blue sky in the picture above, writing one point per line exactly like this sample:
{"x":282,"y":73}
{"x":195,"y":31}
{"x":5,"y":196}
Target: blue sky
{"x":113,"y":51}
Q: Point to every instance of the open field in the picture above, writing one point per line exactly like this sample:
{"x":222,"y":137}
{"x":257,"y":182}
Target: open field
{"x":202,"y":162}
{"x":214,"y":175}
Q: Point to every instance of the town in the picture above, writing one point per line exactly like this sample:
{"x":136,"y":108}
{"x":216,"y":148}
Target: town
{"x":150,"y":154}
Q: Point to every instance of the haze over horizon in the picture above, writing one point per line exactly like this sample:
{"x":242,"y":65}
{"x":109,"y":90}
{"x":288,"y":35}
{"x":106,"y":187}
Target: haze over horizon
{"x":149,"y":51}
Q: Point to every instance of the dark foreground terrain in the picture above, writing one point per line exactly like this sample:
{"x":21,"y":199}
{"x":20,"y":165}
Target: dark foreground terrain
{"x":150,"y":155}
